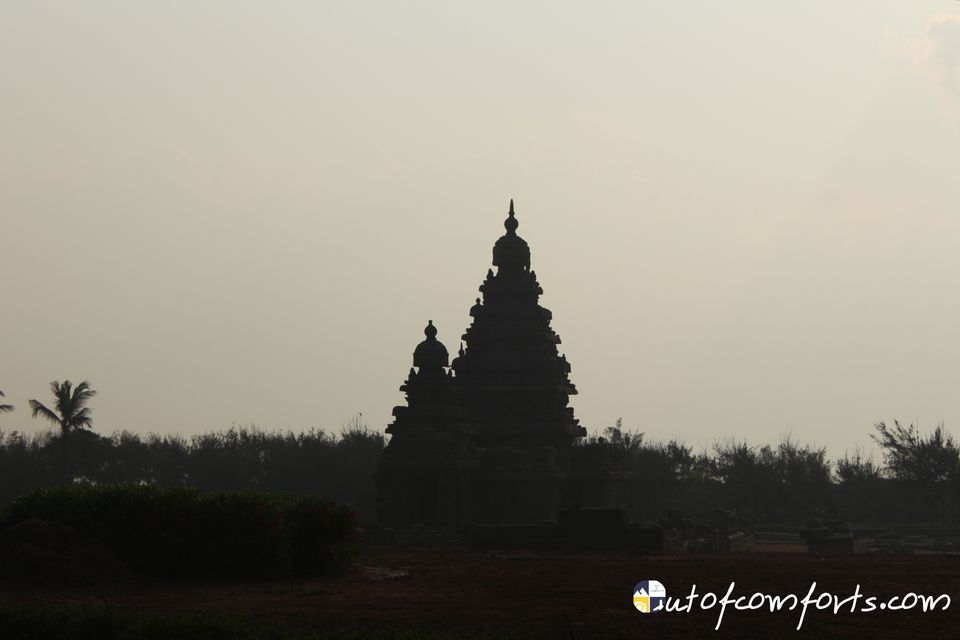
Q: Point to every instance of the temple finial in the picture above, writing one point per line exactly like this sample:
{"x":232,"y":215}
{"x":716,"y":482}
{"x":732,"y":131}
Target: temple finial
{"x":511,"y":223}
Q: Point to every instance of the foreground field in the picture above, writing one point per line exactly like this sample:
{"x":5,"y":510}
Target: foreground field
{"x":528,"y":594}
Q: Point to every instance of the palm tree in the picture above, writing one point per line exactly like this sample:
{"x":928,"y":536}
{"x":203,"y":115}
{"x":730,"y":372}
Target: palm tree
{"x":70,"y":411}
{"x":5,"y":408}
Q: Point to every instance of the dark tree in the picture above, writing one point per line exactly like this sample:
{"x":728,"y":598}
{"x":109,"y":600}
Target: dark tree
{"x":927,"y":467}
{"x":857,"y":468}
{"x":70,"y":412}
{"x":5,"y":408}
{"x":911,"y":456}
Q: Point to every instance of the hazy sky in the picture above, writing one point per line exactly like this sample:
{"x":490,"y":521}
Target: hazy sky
{"x":745,"y":215}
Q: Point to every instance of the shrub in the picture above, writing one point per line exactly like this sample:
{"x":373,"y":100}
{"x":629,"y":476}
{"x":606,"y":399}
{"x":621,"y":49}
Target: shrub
{"x":183,"y":533}
{"x":324,"y":536}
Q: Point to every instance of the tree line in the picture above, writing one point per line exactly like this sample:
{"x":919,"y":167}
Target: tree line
{"x":339,"y":466}
{"x":916,"y":481}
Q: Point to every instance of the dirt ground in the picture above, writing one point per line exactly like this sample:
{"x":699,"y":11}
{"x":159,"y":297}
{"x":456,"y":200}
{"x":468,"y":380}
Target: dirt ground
{"x":567,"y":595}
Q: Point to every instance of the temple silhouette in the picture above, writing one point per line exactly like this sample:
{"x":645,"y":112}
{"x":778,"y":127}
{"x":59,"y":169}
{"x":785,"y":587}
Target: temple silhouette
{"x":488,"y":438}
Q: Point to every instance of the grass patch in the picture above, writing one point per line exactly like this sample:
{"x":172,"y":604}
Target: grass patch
{"x":48,"y":622}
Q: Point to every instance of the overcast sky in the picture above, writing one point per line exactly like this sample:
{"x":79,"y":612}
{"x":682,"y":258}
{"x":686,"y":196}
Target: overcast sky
{"x":745,"y":215}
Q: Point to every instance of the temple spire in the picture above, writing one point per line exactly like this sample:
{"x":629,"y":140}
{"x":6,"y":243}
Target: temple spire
{"x":511,"y":223}
{"x":511,"y":251}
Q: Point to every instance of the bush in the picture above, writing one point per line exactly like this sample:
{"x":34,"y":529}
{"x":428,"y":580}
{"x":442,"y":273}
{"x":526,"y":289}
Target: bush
{"x":324,"y":537}
{"x":238,"y":459}
{"x":183,"y":533}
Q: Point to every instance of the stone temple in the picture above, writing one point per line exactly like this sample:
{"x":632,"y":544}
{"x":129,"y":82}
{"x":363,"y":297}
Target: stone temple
{"x":485,"y":438}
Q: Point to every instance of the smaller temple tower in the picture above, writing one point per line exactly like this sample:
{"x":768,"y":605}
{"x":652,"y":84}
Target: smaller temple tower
{"x":425,"y":474}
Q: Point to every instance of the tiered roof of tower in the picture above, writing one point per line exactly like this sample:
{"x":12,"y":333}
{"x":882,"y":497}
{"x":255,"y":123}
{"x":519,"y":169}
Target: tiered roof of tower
{"x":511,"y":378}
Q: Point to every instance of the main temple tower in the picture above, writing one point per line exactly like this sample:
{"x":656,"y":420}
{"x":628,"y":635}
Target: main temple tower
{"x":516,"y":388}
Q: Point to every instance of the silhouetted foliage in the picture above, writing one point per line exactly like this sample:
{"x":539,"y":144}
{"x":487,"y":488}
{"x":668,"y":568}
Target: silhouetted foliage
{"x":5,"y":408}
{"x":925,"y":469}
{"x":857,"y":469}
{"x":313,"y":462}
{"x":184,"y":533}
{"x":861,"y":487}
{"x":782,"y":483}
{"x":918,"y":482}
{"x":911,"y":456}
{"x":70,"y":411}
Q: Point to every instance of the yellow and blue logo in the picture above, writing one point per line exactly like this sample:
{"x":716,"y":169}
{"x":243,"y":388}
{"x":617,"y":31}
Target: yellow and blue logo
{"x":649,"y":596}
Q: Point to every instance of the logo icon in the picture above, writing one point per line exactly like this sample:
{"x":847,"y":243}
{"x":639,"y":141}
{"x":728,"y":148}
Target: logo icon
{"x":649,"y":596}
